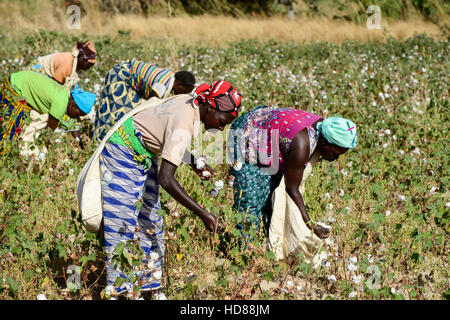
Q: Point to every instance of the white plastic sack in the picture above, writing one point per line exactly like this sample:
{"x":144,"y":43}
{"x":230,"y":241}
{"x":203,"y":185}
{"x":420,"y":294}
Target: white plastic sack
{"x":288,"y":233}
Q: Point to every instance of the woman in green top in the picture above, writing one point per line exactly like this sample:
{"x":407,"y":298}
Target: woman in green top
{"x":25,"y":91}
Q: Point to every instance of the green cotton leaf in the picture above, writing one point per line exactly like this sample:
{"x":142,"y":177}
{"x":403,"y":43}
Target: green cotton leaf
{"x":138,"y":204}
{"x":119,"y":248}
{"x":119,"y":281}
{"x":28,"y":274}
{"x":268,"y":275}
{"x":85,"y":259}
{"x":270,"y":255}
{"x":184,"y":233}
{"x":128,"y":256}
{"x":163,"y":211}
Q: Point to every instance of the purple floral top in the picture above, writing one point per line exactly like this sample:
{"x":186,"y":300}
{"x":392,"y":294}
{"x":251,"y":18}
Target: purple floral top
{"x":280,"y":123}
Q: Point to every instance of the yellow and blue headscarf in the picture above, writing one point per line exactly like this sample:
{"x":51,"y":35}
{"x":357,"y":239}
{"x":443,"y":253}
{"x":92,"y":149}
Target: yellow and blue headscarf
{"x":339,"y":131}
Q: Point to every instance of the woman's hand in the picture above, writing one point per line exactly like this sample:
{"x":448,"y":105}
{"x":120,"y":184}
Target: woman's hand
{"x":321,"y":232}
{"x":206,"y":168}
{"x":212,"y":223}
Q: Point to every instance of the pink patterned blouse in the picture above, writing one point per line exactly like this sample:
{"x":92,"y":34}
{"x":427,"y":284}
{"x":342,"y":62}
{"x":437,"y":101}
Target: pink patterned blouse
{"x":280,"y":123}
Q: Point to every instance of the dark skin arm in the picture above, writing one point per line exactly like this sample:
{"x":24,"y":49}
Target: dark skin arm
{"x":166,"y":179}
{"x":298,"y":156}
{"x":52,"y":122}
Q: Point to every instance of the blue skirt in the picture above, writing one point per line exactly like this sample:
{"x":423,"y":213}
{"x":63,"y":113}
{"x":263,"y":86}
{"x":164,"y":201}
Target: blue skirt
{"x":125,"y":185}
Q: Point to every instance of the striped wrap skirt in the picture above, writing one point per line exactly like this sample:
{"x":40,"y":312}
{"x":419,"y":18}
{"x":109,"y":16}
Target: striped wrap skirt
{"x":125,"y":185}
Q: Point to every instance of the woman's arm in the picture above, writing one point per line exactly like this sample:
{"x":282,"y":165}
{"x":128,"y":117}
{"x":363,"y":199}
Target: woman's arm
{"x":298,"y":156}
{"x":52,"y":122}
{"x":166,"y":179}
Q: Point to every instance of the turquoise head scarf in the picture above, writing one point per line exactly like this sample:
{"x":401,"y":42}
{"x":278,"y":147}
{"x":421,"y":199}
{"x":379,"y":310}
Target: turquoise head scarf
{"x":85,"y":100}
{"x":339,"y":131}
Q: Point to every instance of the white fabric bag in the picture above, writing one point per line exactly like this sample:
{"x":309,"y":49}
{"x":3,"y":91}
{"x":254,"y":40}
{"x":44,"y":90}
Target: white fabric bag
{"x":89,"y":182}
{"x":288,"y":233}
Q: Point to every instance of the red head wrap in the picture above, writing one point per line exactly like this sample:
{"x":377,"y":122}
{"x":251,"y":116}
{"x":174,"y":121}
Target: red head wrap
{"x":220,"y":95}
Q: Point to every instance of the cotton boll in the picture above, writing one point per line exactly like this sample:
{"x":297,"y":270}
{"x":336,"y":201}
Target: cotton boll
{"x":154,"y":255}
{"x":41,"y":297}
{"x":323,"y":225}
{"x":237,"y":165}
{"x":206,"y":174}
{"x":160,"y":296}
{"x":332,"y":278}
{"x":201,"y":163}
{"x":352,"y":294}
{"x":157,"y":275}
{"x":218,"y":184}
{"x":325,"y":263}
{"x":213,"y":193}
{"x":356,"y":279}
{"x":353,"y":259}
{"x":352,"y":267}
{"x":109,"y":290}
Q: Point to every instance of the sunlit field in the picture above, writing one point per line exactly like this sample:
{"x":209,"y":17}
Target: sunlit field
{"x":387,"y":200}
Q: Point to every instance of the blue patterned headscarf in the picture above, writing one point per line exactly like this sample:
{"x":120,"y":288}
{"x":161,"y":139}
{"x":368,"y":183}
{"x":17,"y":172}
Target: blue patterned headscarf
{"x":339,"y":131}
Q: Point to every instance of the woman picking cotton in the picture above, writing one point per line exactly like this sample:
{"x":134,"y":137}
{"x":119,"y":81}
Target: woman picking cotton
{"x":129,"y":167}
{"x":64,"y":68}
{"x":272,"y":143}
{"x":25,"y":91}
{"x":130,"y":83}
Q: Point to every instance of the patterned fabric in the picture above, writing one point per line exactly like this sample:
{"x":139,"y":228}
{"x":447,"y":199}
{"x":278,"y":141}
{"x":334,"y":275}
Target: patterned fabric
{"x":117,"y":98}
{"x":13,"y":112}
{"x":124,"y":182}
{"x":36,"y":66}
{"x":144,"y":76}
{"x":126,"y":135}
{"x":283,"y":124}
{"x":254,"y":187}
{"x":220,"y":95}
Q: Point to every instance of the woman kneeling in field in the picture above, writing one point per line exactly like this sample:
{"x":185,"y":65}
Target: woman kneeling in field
{"x":27,"y":91}
{"x":272,"y":142}
{"x":129,"y":168}
{"x":128,"y":84}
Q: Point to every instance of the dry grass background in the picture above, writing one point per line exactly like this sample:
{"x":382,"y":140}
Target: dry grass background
{"x":16,"y":17}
